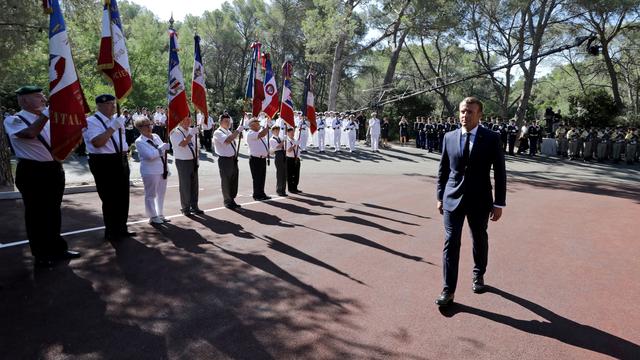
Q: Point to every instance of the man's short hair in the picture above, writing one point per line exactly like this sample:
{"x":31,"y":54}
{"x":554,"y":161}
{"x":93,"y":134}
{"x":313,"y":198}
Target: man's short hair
{"x":473,"y":100}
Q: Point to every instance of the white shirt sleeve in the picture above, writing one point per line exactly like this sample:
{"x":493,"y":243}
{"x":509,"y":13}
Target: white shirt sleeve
{"x":146,"y":151}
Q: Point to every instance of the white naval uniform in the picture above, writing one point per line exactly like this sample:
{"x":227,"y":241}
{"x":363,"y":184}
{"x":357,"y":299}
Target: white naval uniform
{"x":303,"y":134}
{"x":336,"y":125}
{"x":320,"y":134}
{"x":352,"y":130}
{"x":374,"y":131}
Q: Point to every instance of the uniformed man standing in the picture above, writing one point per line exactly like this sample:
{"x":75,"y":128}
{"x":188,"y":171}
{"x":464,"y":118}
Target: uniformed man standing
{"x":561,"y":140}
{"x":109,"y":164}
{"x":258,"y":142}
{"x":374,"y":131}
{"x":534,"y":135}
{"x":631,"y":140}
{"x":206,"y":130}
{"x":303,"y":133}
{"x":225,"y":146}
{"x":617,"y":138}
{"x":185,"y":154}
{"x":276,"y":145}
{"x":512,"y":135}
{"x":160,"y":122}
{"x":572,"y":138}
{"x":293,"y":161}
{"x":336,"y":126}
{"x":39,"y":178}
{"x":320,"y":132}
{"x":352,"y":129}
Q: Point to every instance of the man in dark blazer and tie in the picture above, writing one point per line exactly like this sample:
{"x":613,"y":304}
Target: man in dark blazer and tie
{"x":464,"y":191}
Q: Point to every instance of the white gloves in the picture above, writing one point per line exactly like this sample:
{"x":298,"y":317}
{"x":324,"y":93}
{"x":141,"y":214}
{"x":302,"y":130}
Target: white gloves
{"x":117,"y":123}
{"x":45,"y":112}
{"x":193,"y":131}
{"x":240,"y":128}
{"x":164,"y":147}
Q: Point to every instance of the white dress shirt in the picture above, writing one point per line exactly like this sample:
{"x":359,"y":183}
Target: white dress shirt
{"x":95,"y":127}
{"x":221,"y":148}
{"x":258,"y":146}
{"x":289,"y":143}
{"x":30,"y":149}
{"x":182,"y":152}
{"x":463,"y":138}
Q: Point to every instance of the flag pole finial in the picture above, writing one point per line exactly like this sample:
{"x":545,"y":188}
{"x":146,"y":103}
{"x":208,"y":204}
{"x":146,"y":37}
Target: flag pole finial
{"x":171,"y":21}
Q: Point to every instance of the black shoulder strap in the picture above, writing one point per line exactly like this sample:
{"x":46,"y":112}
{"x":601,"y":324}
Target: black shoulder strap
{"x":193,"y":153}
{"x":115,"y":145}
{"x":42,"y":140}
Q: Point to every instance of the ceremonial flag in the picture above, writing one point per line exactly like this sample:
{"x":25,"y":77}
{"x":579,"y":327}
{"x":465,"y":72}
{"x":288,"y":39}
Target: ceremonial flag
{"x":198,"y":88}
{"x":177,"y":96}
{"x":113,"y":59}
{"x":67,"y":104}
{"x":270,"y":103}
{"x":308,"y":109}
{"x":255,"y":86}
{"x":286,"y":106}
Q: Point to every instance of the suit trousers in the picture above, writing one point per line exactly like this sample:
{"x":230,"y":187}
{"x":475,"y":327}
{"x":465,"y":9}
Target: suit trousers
{"x":155,"y":188}
{"x":453,"y":223}
{"x":41,"y":185}
{"x":293,"y":173}
{"x":228,"y":167}
{"x":281,"y":172}
{"x":258,"y":167}
{"x":188,"y":180}
{"x":111,"y":173}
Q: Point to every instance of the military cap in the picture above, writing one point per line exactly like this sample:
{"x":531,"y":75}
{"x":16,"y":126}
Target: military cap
{"x":100,"y":99}
{"x":275,"y":126}
{"x":29,"y":89}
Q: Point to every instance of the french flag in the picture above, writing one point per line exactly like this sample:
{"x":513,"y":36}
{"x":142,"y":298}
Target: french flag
{"x":67,"y":104}
{"x":177,"y":96}
{"x":286,"y":105}
{"x":308,"y":108}
{"x":255,"y":86}
{"x":270,"y":104}
{"x":113,"y":58}
{"x":198,"y":92}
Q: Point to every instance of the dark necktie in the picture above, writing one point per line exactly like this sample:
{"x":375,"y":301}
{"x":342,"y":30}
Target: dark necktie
{"x":465,"y":152}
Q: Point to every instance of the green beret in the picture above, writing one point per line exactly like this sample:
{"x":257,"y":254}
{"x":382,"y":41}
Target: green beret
{"x":104,"y":98}
{"x":29,"y":89}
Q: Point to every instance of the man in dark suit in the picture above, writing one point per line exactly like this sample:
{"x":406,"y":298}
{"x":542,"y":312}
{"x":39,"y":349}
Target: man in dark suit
{"x":464,"y":191}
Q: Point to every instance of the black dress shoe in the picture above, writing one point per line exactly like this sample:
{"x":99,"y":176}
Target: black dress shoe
{"x":478,"y":285}
{"x":445,"y":298}
{"x":263,"y":198}
{"x":294,"y":191}
{"x":282,"y":194}
{"x":68,"y":255}
{"x":197,"y":211}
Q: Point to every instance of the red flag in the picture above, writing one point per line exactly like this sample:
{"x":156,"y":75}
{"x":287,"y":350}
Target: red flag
{"x":198,"y":92}
{"x":308,"y":108}
{"x":113,"y":59}
{"x":270,"y":104}
{"x":286,"y":106}
{"x":258,"y":86}
{"x":178,"y":106}
{"x":67,"y":104}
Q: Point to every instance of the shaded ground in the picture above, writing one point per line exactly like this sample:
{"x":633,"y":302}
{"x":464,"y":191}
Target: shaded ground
{"x":349,"y":269}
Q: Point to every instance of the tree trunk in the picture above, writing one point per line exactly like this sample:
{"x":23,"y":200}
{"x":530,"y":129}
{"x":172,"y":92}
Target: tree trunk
{"x":393,"y":61}
{"x":336,"y":72}
{"x":613,"y":76}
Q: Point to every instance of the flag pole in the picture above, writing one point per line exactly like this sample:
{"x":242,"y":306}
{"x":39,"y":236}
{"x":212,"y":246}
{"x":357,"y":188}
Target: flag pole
{"x":165,"y":171}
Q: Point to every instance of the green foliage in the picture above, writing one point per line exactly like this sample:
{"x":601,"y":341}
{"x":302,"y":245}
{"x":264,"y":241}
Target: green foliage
{"x":595,"y":108}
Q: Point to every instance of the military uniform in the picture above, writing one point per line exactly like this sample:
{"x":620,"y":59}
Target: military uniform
{"x":293,"y":162}
{"x":352,"y":129}
{"x":40,"y":180}
{"x":572,"y":138}
{"x":534,"y":135}
{"x":321,"y":140}
{"x":336,"y":125}
{"x":631,"y":140}
{"x":602,"y":140}
{"x":561,"y":141}
{"x":587,"y":140}
{"x":617,"y":138}
{"x":109,"y":165}
{"x":277,"y":147}
{"x":512,"y":135}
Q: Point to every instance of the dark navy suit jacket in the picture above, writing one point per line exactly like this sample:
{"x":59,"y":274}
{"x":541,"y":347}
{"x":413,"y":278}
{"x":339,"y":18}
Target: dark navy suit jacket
{"x":474,"y":184}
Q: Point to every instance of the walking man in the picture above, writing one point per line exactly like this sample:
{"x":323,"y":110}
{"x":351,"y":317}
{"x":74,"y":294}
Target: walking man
{"x":464,"y":191}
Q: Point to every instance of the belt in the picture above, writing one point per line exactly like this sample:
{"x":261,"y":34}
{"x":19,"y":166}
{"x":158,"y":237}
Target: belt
{"x":258,"y":157}
{"x":225,"y":157}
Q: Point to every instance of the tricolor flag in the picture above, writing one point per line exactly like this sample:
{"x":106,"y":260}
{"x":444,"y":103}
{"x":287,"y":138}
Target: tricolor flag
{"x":270,"y":103}
{"x":286,"y":106}
{"x":67,"y":104}
{"x":255,"y":86}
{"x":177,"y":96}
{"x":308,"y":109}
{"x":113,"y":59}
{"x":198,"y":88}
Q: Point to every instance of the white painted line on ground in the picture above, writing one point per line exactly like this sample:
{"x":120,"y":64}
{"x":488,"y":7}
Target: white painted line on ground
{"x":24,"y":242}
